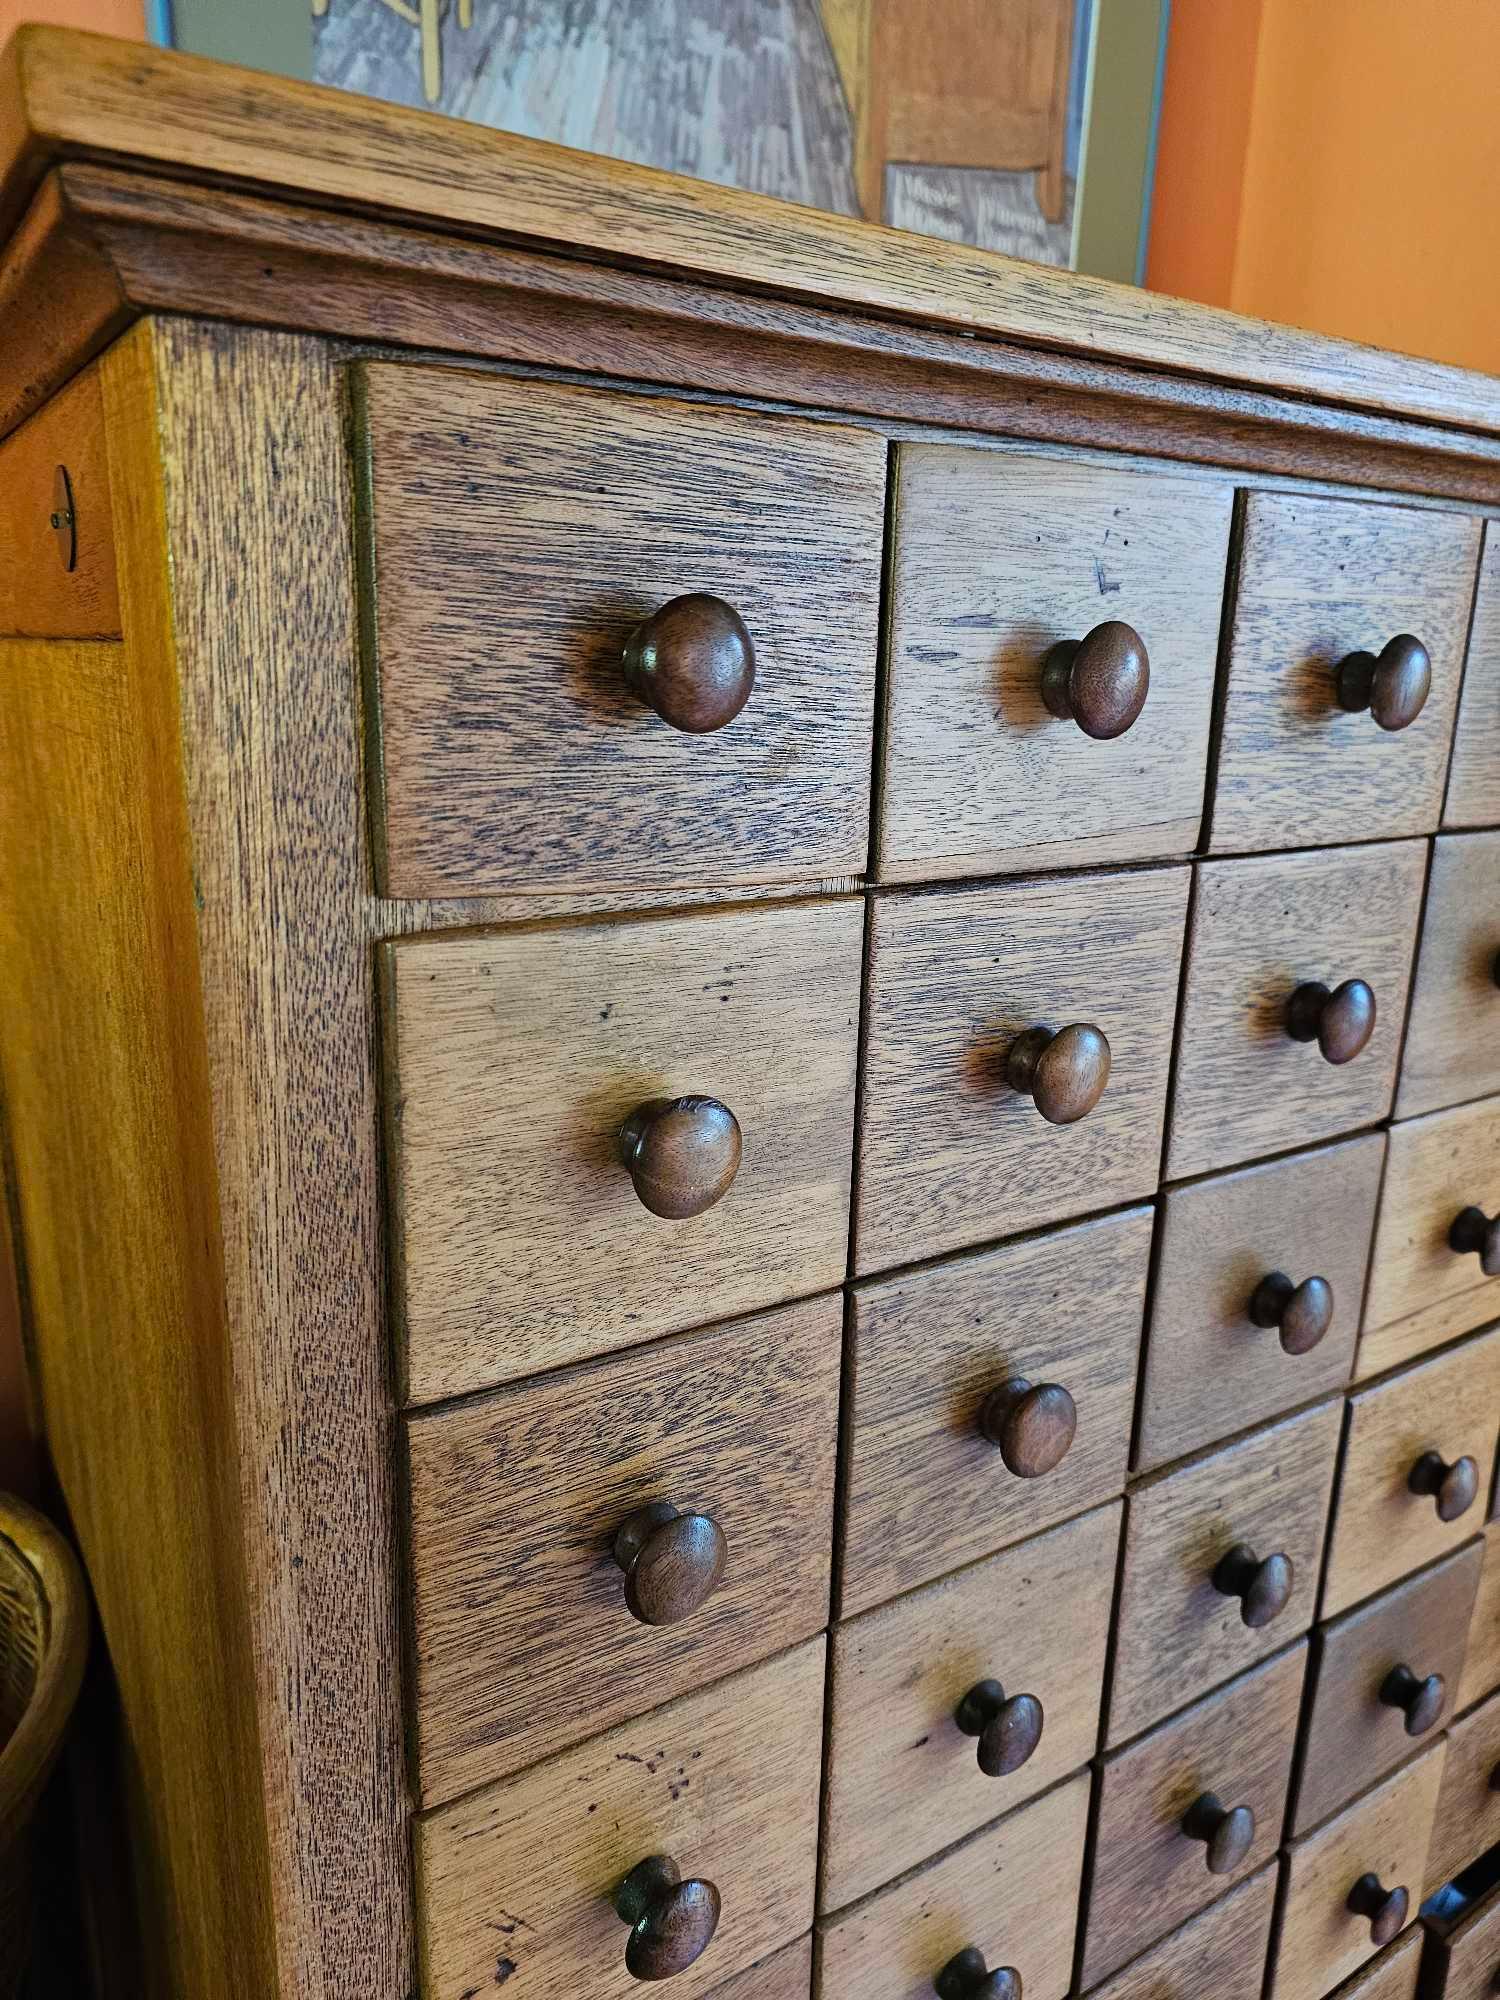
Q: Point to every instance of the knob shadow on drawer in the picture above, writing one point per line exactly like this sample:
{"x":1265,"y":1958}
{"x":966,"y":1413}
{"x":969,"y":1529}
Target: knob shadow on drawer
{"x":1223,"y":1951}
{"x":1453,"y":1038}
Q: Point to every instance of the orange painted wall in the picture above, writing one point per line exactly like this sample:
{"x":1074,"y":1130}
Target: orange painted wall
{"x":107,"y":17}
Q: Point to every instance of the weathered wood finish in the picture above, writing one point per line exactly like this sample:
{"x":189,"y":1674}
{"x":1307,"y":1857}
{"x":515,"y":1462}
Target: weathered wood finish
{"x":1393,"y":1975}
{"x":1474,"y":769}
{"x":1467,"y":1822}
{"x":1463,"y":1961}
{"x":1453,"y":1037}
{"x":787,"y":1975}
{"x":1481,"y":1672}
{"x":39,"y":596}
{"x":1222,"y":1952}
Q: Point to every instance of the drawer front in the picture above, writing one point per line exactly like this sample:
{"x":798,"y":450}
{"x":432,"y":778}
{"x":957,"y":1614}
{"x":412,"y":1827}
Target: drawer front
{"x":1468,"y":1814}
{"x":513,"y":1059}
{"x":1223,"y":1952}
{"x":1368,"y":1715}
{"x":1182,"y":1624}
{"x":1260,"y":929}
{"x":1011,"y":1893}
{"x":787,"y":1975}
{"x":524,"y":1637}
{"x":1453,"y":1038}
{"x":1149,"y":1874}
{"x":1385,"y":1834}
{"x":519,"y":1877}
{"x":1393,"y":1975}
{"x":1422,"y":1290}
{"x":1318,"y":580}
{"x":1216,"y":1359}
{"x":996,"y":560}
{"x":1482,"y":1659}
{"x":925,"y":1487}
{"x":1474,"y":770}
{"x":950,"y":1154}
{"x":1383,"y":1529}
{"x":516,"y":534}
{"x":1465,"y":1965}
{"x":904,"y":1778}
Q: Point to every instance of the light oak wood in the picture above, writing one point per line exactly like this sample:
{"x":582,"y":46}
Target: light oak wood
{"x":948,"y":1154}
{"x":1011,"y":1891}
{"x":1481,"y":1674}
{"x":924,"y":1490}
{"x":517,"y":533}
{"x":1382,"y":1530}
{"x":1474,"y":768}
{"x":513,"y":1059}
{"x":1175,"y":1634}
{"x":1467,"y":1822}
{"x":903,"y":1780}
{"x":786,"y":1975}
{"x":1453,"y":1037}
{"x":40,"y":596}
{"x":1149,"y":1876}
{"x":521,"y":1636}
{"x":1317,"y":579}
{"x":514,"y":1881}
{"x":1209,"y":1370}
{"x":1223,"y":1951}
{"x":1260,"y":928}
{"x":1462,"y":1961}
{"x":1392,"y":1975}
{"x":995,"y":559}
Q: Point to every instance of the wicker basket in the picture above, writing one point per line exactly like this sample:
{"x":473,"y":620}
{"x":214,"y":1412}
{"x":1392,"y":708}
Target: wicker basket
{"x":43,"y":1640}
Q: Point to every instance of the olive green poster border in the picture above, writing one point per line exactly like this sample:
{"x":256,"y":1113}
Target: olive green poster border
{"x":261,"y":34}
{"x":1127,"y":64}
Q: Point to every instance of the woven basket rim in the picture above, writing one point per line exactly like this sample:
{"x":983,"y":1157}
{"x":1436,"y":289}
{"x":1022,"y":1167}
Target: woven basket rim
{"x":27,"y":1758}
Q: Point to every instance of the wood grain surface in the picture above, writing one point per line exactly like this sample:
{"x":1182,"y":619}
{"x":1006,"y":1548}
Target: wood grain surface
{"x":1011,"y":1891}
{"x":786,"y":1975}
{"x":1463,"y":1960}
{"x":1209,"y":1370}
{"x":1392,"y":1975}
{"x":1474,"y":767}
{"x":511,"y":753}
{"x":1175,"y":1635}
{"x":521,"y":1637}
{"x":39,"y":596}
{"x":924,"y":1490}
{"x":1481,"y":1674}
{"x":513,"y":1057}
{"x":1453,"y":1036}
{"x":995,"y":558}
{"x":1467,"y":1823}
{"x":1317,"y":579}
{"x":514,"y":1881}
{"x":903,"y":1780}
{"x":948,"y":1154}
{"x":1222,"y":1952}
{"x":1259,"y":928}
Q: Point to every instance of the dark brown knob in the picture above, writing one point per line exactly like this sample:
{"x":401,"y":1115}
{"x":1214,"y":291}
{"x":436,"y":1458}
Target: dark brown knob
{"x":1033,"y":1423}
{"x":1009,"y":1727}
{"x":1063,"y":1073}
{"x":1303,"y":1312}
{"x":1420,"y":1701}
{"x":1099,"y":681}
{"x":1340,"y":1022}
{"x":682,"y":1153}
{"x":1226,"y":1831}
{"x":693,"y":662}
{"x":1263,"y":1588}
{"x":1452,"y":1486}
{"x":1392,"y":685}
{"x":967,"y":1977}
{"x":672,"y":1562}
{"x":672,"y":1922}
{"x":1476,"y":1234}
{"x":1386,"y":1908}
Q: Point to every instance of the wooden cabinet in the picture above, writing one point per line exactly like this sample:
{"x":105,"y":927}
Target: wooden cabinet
{"x":1473,"y":785}
{"x":1394,"y":1974}
{"x":1481,"y":1671}
{"x":1464,"y":1958}
{"x":1225,"y":1947}
{"x":1451,"y":1050}
{"x":1467,"y":1823}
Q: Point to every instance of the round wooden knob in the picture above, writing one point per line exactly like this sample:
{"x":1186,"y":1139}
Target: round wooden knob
{"x":1303,"y":1312}
{"x":1340,"y":1022}
{"x":1420,"y":1701}
{"x":1033,"y":1423}
{"x":672,"y":1922}
{"x":1009,"y":1727}
{"x":1452,"y":1486}
{"x":1064,"y":1073}
{"x":1263,"y":1588}
{"x":1226,"y":1831}
{"x":672,"y":1562}
{"x":682,"y":1152}
{"x":1476,"y":1234}
{"x":693,"y":662}
{"x":1099,"y":681}
{"x":1393,"y":684}
{"x":1386,"y":1908}
{"x":966,"y":1977}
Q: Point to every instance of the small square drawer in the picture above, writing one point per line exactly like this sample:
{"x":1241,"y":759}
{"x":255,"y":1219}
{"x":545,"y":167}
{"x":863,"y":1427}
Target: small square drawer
{"x":517,"y":535}
{"x":1474,"y":770}
{"x":1453,"y":1036}
{"x":1481,"y":1675}
{"x":521,"y":1877}
{"x":988,"y":1398}
{"x":962,"y":1700}
{"x":1222,"y":1952}
{"x":1468,"y":1814}
{"x":1221,"y":1566}
{"x":998,"y":560}
{"x":1252,"y":1077}
{"x":1260,"y":1277}
{"x":520,"y":1239}
{"x":1317,"y":581}
{"x":1352,"y":1885}
{"x":527,"y":1631}
{"x":1393,"y":1975}
{"x":1425,"y":1287}
{"x":1009,"y":1894}
{"x":1463,"y":1963}
{"x":1415,"y":1479}
{"x":1384,"y":1678}
{"x":1019,"y":1041}
{"x":1189,"y":1809}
